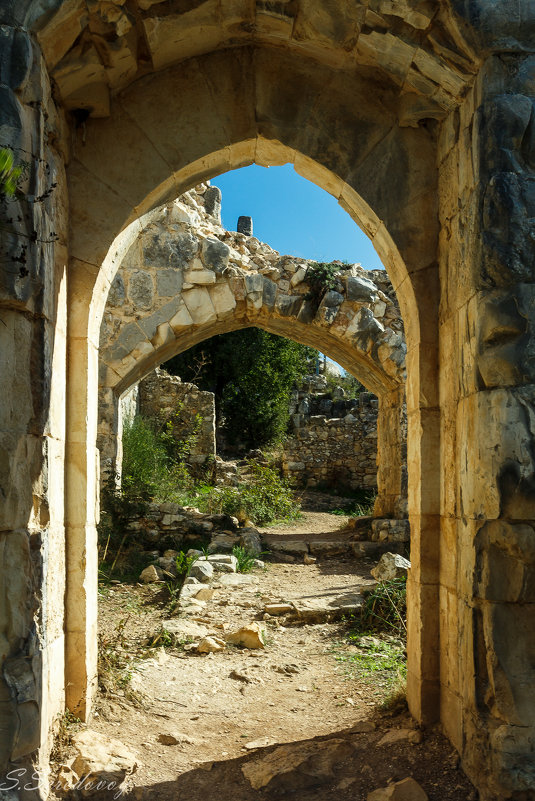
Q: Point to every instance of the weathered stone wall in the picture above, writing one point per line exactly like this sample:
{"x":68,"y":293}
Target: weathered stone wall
{"x":487,"y":396}
{"x":33,"y":312}
{"x":333,"y":451}
{"x":192,"y":412}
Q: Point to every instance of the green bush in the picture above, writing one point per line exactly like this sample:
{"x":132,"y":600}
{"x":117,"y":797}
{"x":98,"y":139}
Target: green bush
{"x":152,"y":466}
{"x":10,"y":174}
{"x":264,"y":499}
{"x":362,"y":505}
{"x":251,"y":372}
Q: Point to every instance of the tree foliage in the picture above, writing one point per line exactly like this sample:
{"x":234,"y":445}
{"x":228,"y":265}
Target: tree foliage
{"x":251,"y":373}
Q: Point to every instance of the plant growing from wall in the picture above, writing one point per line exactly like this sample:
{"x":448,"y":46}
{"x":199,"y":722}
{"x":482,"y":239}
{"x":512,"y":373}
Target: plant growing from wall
{"x":321,"y":278}
{"x":10,"y":173}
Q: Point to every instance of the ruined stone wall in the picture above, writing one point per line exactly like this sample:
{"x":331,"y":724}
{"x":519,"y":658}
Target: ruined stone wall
{"x":338,"y":452}
{"x":367,"y":103}
{"x":190,"y":410}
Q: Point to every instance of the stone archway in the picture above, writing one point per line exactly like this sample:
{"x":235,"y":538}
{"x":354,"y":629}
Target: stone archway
{"x":418,"y":118}
{"x":177,"y":286}
{"x":408,"y":251}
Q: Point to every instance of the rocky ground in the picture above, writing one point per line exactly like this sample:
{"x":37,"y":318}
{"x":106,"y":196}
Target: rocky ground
{"x":295,"y":716}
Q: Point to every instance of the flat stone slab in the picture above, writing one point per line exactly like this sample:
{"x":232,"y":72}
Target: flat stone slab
{"x":185,"y":628}
{"x":293,"y":547}
{"x":332,"y":548}
{"x":324,"y":608}
{"x":236,"y":579}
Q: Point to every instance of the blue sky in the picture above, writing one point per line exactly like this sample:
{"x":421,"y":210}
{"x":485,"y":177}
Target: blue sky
{"x":293,"y":215}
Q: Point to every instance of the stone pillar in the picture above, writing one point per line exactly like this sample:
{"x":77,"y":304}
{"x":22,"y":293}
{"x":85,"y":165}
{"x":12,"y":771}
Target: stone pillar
{"x":487,"y":556}
{"x":212,"y":202}
{"x":245,"y":226}
{"x":82,"y":490}
{"x":391,"y":456}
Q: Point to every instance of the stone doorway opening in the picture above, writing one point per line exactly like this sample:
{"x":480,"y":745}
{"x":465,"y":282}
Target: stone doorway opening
{"x":155,"y":325}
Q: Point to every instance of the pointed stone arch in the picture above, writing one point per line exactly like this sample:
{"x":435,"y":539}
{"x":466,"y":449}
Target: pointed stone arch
{"x":347,"y":140}
{"x":185,"y":279}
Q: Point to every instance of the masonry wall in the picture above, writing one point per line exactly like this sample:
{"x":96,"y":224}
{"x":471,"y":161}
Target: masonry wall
{"x":336,"y":452}
{"x":33,"y":312}
{"x":190,"y":410}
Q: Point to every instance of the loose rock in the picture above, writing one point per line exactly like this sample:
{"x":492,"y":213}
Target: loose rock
{"x":211,"y":645}
{"x":151,"y":574}
{"x":202,"y":571}
{"x":391,"y":566}
{"x":294,"y":767}
{"x":250,"y":636}
{"x":101,"y":759}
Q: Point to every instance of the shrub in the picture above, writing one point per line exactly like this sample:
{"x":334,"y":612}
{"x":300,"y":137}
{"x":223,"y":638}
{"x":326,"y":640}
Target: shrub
{"x":385,"y":608}
{"x":321,"y":277}
{"x":150,"y":468}
{"x":10,"y":175}
{"x":265,"y":498}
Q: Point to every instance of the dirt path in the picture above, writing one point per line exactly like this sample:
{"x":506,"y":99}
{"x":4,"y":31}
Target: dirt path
{"x":227,"y":710}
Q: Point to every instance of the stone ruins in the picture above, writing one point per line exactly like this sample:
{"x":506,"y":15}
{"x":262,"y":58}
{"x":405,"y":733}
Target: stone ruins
{"x":417,"y":117}
{"x":185,"y":277}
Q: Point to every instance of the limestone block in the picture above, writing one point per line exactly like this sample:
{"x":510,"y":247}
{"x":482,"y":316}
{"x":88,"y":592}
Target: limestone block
{"x":101,"y":758}
{"x":180,"y":213}
{"x":169,"y":249}
{"x":510,"y":660}
{"x":269,"y":293}
{"x":329,"y":306}
{"x":329,"y":25}
{"x":15,"y":57}
{"x":182,"y":319}
{"x":140,"y":289}
{"x":202,"y":571}
{"x":215,"y":253}
{"x":250,"y":636}
{"x":223,"y":300}
{"x":82,"y":81}
{"x":383,"y":49}
{"x":199,"y":305}
{"x":149,"y":324}
{"x":177,"y":36}
{"x":117,"y":294}
{"x":60,"y":32}
{"x":391,"y":566}
{"x":288,"y":305}
{"x":164,"y":335}
{"x":506,"y":347}
{"x":202,"y":277}
{"x":119,"y":58}
{"x":151,"y":574}
{"x":168,"y":282}
{"x":505,"y":562}
{"x":495,"y":452}
{"x":212,"y":202}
